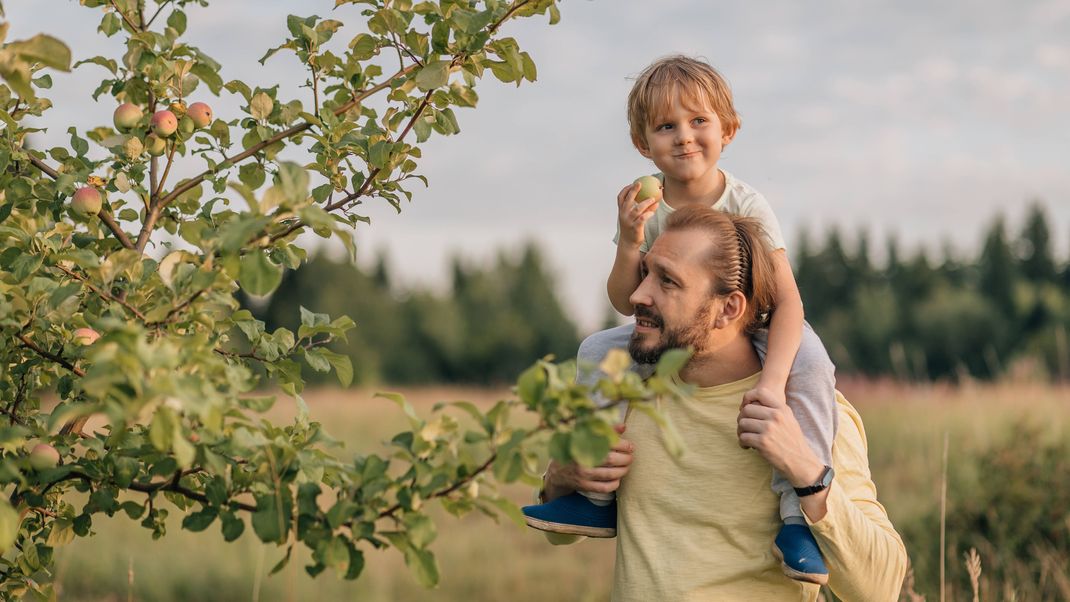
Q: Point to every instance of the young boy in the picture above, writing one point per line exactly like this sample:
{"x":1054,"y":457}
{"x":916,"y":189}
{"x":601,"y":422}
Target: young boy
{"x":681,"y":117}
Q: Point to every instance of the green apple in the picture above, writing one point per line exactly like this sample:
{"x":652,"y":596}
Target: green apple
{"x":649,"y":188}
{"x":155,"y":145}
{"x":201,"y":114}
{"x":164,"y":123}
{"x":43,"y":456}
{"x":127,"y":116}
{"x":87,"y":201}
{"x":185,"y":126}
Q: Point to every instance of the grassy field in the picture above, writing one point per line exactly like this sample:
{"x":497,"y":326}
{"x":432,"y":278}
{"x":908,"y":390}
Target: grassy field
{"x":481,"y":560}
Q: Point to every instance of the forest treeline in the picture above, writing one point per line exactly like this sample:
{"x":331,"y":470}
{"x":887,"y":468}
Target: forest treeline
{"x":910,"y":316}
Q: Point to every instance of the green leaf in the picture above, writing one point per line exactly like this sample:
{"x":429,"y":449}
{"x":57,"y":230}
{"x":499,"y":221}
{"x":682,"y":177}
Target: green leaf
{"x":421,"y":529}
{"x":422,"y":562}
{"x":531,"y":385}
{"x":336,"y":554}
{"x":177,"y":20}
{"x":587,"y":445}
{"x":9,"y":525}
{"x":259,"y":276}
{"x":672,"y":361}
{"x":44,"y":49}
{"x":260,"y":106}
{"x":511,"y":510}
{"x":433,"y":75}
{"x":343,"y":366}
{"x":232,"y":526}
{"x":199,"y":521}
{"x":316,"y":360}
{"x":270,"y":522}
{"x":356,"y":563}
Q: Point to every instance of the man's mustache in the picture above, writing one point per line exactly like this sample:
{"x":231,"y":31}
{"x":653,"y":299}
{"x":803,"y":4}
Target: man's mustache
{"x":644,"y":312}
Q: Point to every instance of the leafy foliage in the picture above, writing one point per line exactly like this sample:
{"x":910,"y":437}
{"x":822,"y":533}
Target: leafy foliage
{"x":171,"y":369}
{"x":485,"y":329}
{"x":913,"y":319}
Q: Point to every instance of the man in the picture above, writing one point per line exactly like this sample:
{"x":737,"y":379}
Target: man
{"x":699,"y":527}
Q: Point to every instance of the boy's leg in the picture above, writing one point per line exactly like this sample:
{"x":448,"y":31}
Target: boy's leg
{"x":592,"y":351}
{"x":811,"y":395}
{"x":584,"y":512}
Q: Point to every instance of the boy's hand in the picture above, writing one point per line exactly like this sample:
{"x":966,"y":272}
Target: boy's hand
{"x":562,"y":479}
{"x":765,"y":396}
{"x":632,"y":216}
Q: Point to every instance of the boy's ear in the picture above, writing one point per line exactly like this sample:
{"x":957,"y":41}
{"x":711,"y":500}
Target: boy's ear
{"x":727,"y":137}
{"x":641,"y":146}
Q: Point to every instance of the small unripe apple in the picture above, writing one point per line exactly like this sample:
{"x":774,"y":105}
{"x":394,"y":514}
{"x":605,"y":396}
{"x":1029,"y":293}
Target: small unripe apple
{"x":649,"y":188}
{"x":87,"y":201}
{"x":200,"y":113}
{"x":178,"y":108}
{"x":185,"y":126}
{"x":127,"y":116}
{"x":86,"y":336}
{"x":164,"y":123}
{"x":155,"y":145}
{"x":43,"y":456}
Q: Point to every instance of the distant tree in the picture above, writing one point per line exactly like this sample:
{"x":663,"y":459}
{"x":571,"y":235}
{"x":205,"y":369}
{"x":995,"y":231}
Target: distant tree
{"x":1035,"y":249}
{"x":997,"y":269}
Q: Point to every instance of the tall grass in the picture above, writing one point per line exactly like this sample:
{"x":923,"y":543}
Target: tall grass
{"x":1013,"y":433}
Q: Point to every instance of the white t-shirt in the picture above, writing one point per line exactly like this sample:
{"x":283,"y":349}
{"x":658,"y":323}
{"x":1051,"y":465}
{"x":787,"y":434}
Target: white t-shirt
{"x":738,"y":199}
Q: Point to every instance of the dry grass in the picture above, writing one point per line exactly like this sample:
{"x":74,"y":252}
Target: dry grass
{"x":484,"y":561}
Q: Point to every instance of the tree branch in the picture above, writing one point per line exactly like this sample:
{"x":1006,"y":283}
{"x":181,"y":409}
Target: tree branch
{"x":157,"y":13}
{"x":129,"y":22}
{"x":104,"y":215}
{"x":189,"y":183}
{"x":27,"y":343}
{"x":103,"y":294}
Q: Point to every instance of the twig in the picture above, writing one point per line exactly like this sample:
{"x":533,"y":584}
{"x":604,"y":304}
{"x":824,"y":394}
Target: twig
{"x":104,"y":215}
{"x":943,"y":520}
{"x":26,"y":342}
{"x":189,"y":183}
{"x":157,"y":13}
{"x":129,"y":22}
{"x":103,"y":294}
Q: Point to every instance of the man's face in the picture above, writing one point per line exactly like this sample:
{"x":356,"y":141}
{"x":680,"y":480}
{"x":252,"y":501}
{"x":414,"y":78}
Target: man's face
{"x":673,"y":304}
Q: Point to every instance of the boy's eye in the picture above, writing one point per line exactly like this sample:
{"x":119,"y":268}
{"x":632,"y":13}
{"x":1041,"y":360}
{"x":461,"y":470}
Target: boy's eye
{"x":701,"y":120}
{"x":664,"y":126}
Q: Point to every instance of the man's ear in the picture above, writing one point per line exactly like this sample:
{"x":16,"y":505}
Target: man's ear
{"x":732,"y":309}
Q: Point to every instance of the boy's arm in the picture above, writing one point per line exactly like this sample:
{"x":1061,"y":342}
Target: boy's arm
{"x":785,"y":328}
{"x":631,"y":221}
{"x":624,"y":277}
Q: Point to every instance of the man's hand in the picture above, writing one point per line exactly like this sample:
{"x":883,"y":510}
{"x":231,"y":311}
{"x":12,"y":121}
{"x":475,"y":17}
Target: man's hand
{"x":563,"y":479}
{"x":767,"y":425}
{"x":632,"y":216}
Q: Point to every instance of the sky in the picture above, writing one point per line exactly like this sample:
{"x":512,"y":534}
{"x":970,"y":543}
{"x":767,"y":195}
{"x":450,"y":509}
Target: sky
{"x":922,"y":120}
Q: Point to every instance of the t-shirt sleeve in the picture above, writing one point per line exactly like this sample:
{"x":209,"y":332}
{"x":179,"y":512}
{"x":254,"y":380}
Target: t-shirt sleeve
{"x":757,"y":207}
{"x":865,"y":556}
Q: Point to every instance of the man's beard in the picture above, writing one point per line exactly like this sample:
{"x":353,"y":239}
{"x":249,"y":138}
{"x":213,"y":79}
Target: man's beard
{"x":694,"y":335}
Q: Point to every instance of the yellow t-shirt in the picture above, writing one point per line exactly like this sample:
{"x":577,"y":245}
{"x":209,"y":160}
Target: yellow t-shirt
{"x":701,"y":527}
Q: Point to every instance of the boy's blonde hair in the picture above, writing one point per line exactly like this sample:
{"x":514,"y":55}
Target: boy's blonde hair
{"x":694,"y":80}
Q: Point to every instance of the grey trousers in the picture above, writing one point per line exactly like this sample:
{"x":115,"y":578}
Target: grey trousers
{"x":811,"y":394}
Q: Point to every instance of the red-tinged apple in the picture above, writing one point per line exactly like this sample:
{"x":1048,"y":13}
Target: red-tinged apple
{"x":86,"y":336}
{"x":43,"y":456}
{"x":127,"y":116}
{"x":164,"y":123}
{"x":87,"y":201}
{"x":200,"y":113}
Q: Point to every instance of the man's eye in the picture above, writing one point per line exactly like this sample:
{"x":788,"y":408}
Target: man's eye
{"x":667,"y":281}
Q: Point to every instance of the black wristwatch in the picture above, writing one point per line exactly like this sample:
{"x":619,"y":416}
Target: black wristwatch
{"x":822,"y":483}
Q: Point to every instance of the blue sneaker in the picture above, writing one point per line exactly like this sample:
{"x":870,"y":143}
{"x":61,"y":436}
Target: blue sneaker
{"x":573,"y":514}
{"x":799,"y":556}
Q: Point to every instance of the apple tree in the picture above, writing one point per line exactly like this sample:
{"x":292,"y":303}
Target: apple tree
{"x":131,"y":382}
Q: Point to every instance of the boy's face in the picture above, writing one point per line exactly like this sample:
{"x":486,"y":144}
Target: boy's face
{"x":685,"y":142}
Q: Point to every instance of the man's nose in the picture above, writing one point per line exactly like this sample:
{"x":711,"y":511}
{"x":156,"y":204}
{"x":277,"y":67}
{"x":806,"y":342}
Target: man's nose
{"x":640,"y":295}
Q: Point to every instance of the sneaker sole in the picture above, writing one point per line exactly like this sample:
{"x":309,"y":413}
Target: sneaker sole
{"x":551,"y":527}
{"x":816,"y":578}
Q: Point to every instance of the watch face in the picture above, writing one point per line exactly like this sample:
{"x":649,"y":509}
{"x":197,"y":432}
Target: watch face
{"x":826,"y":479}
